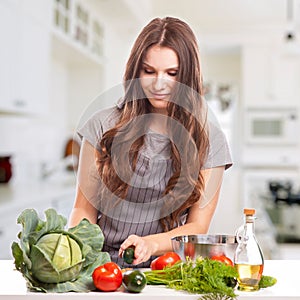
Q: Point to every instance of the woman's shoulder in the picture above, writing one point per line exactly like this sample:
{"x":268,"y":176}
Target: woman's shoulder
{"x":98,"y":123}
{"x":106,"y":117}
{"x":106,"y":113}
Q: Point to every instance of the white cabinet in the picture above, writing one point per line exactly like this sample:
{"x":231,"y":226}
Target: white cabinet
{"x":63,"y":204}
{"x":285,"y":78}
{"x":9,"y":228}
{"x":8,"y":234}
{"x":77,"y":32}
{"x":39,"y":197}
{"x":8,"y":54}
{"x":270,"y":77}
{"x":24,"y":59}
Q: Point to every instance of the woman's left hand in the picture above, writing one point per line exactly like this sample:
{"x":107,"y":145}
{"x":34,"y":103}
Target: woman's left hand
{"x":144,"y":248}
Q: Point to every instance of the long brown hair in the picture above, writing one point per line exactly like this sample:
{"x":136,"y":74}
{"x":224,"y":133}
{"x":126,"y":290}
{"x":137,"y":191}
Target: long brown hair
{"x":186,"y":184}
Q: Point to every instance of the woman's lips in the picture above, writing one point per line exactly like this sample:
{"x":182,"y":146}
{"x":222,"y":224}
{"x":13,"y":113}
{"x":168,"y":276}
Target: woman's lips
{"x":159,"y":96}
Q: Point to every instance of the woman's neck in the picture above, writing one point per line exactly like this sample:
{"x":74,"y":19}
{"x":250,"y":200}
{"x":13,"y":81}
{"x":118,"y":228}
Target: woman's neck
{"x":158,"y":123}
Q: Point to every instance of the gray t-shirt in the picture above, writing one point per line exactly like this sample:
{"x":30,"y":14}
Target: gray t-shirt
{"x":139,"y":213}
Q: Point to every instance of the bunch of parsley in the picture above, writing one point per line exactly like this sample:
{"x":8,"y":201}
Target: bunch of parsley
{"x":204,"y":276}
{"x":212,"y":279}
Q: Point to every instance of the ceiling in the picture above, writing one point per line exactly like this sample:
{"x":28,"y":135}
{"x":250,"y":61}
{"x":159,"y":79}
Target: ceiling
{"x":209,"y":14}
{"x":220,"y":25}
{"x":223,"y":24}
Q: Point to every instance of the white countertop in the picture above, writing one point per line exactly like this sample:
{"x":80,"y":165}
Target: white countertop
{"x":14,"y":195}
{"x":55,"y":192}
{"x":13,"y":286}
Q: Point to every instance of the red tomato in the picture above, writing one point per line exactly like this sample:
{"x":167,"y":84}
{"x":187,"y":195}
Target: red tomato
{"x":107,"y":277}
{"x":222,"y":258}
{"x":168,"y":259}
{"x":189,"y":250}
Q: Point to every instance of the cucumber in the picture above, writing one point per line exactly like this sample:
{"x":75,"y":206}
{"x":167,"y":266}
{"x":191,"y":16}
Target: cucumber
{"x":134,"y":281}
{"x":128,"y":255}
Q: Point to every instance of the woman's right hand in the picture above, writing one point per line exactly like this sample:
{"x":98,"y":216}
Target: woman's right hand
{"x":144,"y":248}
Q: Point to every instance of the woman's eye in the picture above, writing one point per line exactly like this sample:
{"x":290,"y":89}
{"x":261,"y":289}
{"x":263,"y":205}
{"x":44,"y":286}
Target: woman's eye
{"x":172,"y":74}
{"x":147,"y":71}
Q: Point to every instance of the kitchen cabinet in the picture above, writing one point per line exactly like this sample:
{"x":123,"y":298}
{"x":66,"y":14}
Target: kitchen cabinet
{"x":39,"y":196}
{"x":33,"y":32}
{"x":24,"y":60}
{"x":285,"y":77}
{"x":9,"y":35}
{"x":77,"y":33}
{"x":270,"y":76}
{"x":254,"y":75}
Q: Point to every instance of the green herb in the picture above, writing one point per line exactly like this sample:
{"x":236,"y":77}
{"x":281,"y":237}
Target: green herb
{"x":53,"y":259}
{"x":267,"y":281}
{"x":202,"y":276}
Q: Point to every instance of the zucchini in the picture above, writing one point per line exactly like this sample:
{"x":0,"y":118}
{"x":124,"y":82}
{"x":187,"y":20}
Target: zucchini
{"x":134,"y":281}
{"x":128,"y":255}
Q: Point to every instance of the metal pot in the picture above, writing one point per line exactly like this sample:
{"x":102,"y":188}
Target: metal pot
{"x":204,"y":245}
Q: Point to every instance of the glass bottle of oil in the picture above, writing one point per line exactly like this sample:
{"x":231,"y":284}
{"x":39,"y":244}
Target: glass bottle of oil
{"x":248,"y":258}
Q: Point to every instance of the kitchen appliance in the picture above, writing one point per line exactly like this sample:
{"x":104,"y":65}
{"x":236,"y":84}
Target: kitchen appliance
{"x":282,"y":202}
{"x":277,"y":221}
{"x":204,"y":245}
{"x":272,"y":126}
{"x":282,"y":191}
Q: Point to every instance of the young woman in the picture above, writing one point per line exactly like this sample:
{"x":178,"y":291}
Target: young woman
{"x":151,"y":167}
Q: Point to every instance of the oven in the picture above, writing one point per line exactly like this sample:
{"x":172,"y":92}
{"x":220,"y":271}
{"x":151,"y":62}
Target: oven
{"x":276,"y":193}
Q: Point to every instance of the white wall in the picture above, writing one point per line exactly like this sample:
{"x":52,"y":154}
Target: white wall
{"x":225,"y":68}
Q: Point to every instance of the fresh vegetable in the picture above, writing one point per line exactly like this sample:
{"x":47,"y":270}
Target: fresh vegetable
{"x":189,"y":250}
{"x":134,"y":281}
{"x":53,"y":259}
{"x":64,"y":255}
{"x":267,"y":281}
{"x":107,"y":277}
{"x":128,"y":255}
{"x":231,"y":281}
{"x":212,"y":279}
{"x":224,"y":259}
{"x":201,"y":276}
{"x":168,"y":259}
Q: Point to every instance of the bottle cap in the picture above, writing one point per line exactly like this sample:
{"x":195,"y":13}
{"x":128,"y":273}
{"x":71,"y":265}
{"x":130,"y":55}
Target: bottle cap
{"x":249,"y":211}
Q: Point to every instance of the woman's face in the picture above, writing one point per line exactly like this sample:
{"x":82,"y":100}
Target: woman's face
{"x":158,"y":76}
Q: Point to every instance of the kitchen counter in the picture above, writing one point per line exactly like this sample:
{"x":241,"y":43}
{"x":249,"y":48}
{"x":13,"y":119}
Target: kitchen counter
{"x":58,"y":193}
{"x":13,"y":286}
{"x":14,"y":195}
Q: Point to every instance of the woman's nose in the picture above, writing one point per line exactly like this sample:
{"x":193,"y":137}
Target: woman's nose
{"x":159,"y":83}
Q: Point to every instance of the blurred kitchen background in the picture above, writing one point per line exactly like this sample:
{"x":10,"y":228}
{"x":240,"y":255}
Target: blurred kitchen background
{"x":58,"y":56}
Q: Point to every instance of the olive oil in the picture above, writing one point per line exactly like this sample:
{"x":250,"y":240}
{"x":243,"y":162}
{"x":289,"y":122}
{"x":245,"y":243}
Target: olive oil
{"x":249,"y":276}
{"x":248,"y":258}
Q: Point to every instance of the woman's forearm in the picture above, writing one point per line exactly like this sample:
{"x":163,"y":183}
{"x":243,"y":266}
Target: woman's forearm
{"x":162,"y":241}
{"x":82,"y":209}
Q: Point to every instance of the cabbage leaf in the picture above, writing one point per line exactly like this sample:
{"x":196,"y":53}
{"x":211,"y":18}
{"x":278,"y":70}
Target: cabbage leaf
{"x":88,"y":236}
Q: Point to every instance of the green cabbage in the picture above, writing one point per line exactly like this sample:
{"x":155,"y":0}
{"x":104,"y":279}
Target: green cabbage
{"x":53,"y":259}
